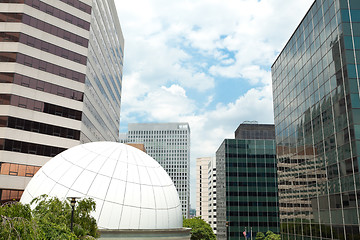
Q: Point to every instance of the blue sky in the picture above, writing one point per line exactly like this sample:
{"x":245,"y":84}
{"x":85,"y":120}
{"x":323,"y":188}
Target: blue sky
{"x":206,"y":62}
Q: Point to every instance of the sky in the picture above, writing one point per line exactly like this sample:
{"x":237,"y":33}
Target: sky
{"x":205,"y":62}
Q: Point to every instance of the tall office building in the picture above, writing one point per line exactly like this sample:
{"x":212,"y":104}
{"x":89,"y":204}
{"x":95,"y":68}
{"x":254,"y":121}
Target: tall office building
{"x":246,"y":183}
{"x":317,"y":119}
{"x":212,"y":193}
{"x":169,"y":144}
{"x":202,"y":188}
{"x":60,"y":82}
{"x":206,"y":190}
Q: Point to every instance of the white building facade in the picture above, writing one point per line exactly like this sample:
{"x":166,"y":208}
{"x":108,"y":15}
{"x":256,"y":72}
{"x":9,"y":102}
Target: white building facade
{"x":202,"y":188}
{"x":60,"y":82}
{"x":168,"y":144}
{"x":206,"y":190}
{"x":212,"y":193}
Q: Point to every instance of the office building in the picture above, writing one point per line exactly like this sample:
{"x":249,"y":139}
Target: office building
{"x":60,"y":82}
{"x":169,"y":144}
{"x":202,"y":188}
{"x":317,"y":119}
{"x":212,"y":193}
{"x":246,"y":183}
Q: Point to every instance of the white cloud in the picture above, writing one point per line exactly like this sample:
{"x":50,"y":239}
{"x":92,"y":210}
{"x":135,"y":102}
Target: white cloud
{"x":161,"y":104}
{"x":177,"y":52}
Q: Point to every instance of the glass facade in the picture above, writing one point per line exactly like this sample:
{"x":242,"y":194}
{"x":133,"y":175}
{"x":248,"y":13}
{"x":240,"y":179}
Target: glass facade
{"x":246,"y":188}
{"x":317,"y":120}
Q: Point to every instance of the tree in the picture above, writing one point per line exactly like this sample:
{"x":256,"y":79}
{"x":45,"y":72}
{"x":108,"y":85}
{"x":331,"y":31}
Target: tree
{"x":260,"y":236}
{"x":200,"y":230}
{"x":272,"y":236}
{"x":50,"y":219}
{"x":268,"y":236}
{"x":17,"y":222}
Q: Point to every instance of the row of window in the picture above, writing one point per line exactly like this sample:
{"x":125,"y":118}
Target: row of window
{"x":44,"y":26}
{"x":251,"y":165}
{"x":38,"y":127}
{"x":251,"y":204}
{"x":14,"y":169}
{"x":40,"y":85}
{"x":42,"y":45}
{"x":252,"y":194}
{"x":14,"y":100}
{"x":79,"y":5}
{"x":29,"y":148}
{"x":253,"y":214}
{"x":75,"y":3}
{"x":250,"y":174}
{"x":252,"y":184}
{"x":295,"y":205}
{"x":159,"y":132}
{"x":42,"y":6}
{"x":42,"y":65}
{"x":251,"y":155}
{"x":7,"y":195}
{"x":260,"y":224}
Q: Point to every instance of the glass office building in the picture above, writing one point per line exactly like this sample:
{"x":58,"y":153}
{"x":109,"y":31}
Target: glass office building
{"x":317,"y":121}
{"x":60,"y":82}
{"x":246,"y":184}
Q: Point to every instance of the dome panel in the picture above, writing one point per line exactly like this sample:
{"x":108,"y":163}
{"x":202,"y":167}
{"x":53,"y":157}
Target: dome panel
{"x":96,"y":163}
{"x":116,"y":192}
{"x":143,"y":174}
{"x":160,"y":199}
{"x":148,"y":218}
{"x":110,"y":216}
{"x":162,"y":219}
{"x":147,"y":197}
{"x":131,"y":189}
{"x":48,"y":168}
{"x":130,"y":218}
{"x":82,"y":157}
{"x":121,"y":171}
{"x":83,"y":181}
{"x":99,"y":187}
{"x":132,"y":195}
{"x":171,"y":197}
{"x":70,"y":176}
{"x":57,"y":171}
{"x":59,"y":190}
{"x":153,"y":176}
{"x":108,"y":167}
{"x":42,"y":185}
{"x":134,"y":176}
{"x":173,"y":221}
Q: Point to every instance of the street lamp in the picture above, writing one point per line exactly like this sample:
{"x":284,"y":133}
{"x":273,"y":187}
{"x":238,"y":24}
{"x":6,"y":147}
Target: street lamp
{"x":72,"y":203}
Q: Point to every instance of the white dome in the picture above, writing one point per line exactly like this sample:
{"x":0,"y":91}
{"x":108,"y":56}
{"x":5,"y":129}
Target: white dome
{"x":131,"y":189}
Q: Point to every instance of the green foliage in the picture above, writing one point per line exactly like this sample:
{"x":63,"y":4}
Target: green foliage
{"x":200,"y":230}
{"x":272,"y":236}
{"x":260,"y":236}
{"x":54,"y":217}
{"x":50,"y":219}
{"x":17,"y":222}
{"x":84,"y":223}
{"x":268,"y":236}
